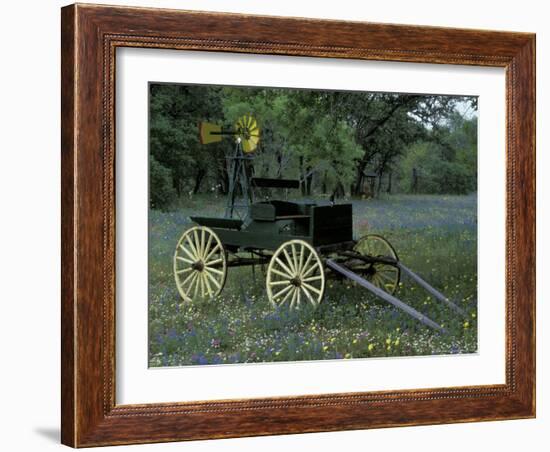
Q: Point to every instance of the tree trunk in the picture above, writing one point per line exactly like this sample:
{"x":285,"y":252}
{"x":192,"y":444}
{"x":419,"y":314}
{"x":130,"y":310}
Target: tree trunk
{"x":222,"y":180}
{"x":177,"y":185}
{"x":359,"y":178}
{"x":309,"y":181}
{"x":388,"y":190}
{"x":339,"y":191}
{"x":302,"y":176}
{"x":198,"y":180}
{"x":379,"y":185}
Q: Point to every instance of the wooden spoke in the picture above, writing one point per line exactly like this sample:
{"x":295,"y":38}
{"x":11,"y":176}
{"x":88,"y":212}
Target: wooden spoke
{"x":190,"y":278}
{"x":281,"y":274}
{"x":207,"y":283}
{"x":295,"y":259}
{"x":295,"y":267}
{"x":381,"y":274}
{"x":290,"y":262}
{"x":197,"y":242}
{"x":197,"y":251}
{"x":214,"y":262}
{"x":215,"y":270}
{"x":289,"y":272}
{"x":193,"y":247}
{"x":294,"y":292}
{"x":197,"y":285}
{"x":212,"y":279}
{"x":189,"y":254}
{"x":309,"y":270}
{"x":214,"y":250}
{"x":185,"y":270}
{"x":386,"y":277}
{"x":208,"y":245}
{"x":308,"y":260}
{"x":311,"y":288}
{"x":202,"y":244}
{"x":279,"y":283}
{"x":379,"y":281}
{"x":203,"y":285}
{"x":308,"y":295}
{"x":283,"y":291}
{"x":287,"y":296}
{"x":301,"y":261}
{"x":191,"y":283}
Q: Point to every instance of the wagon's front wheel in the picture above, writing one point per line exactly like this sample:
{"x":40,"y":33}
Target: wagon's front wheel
{"x":382,"y":271}
{"x":295,"y":275}
{"x":200,"y":264}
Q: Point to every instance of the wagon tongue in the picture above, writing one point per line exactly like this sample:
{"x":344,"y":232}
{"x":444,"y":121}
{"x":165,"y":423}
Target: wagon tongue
{"x":384,"y":295}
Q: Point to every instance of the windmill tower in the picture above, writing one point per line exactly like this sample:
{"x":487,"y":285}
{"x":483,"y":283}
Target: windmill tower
{"x":247,"y":136}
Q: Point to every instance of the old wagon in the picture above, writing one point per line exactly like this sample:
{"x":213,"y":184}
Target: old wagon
{"x":302,"y":244}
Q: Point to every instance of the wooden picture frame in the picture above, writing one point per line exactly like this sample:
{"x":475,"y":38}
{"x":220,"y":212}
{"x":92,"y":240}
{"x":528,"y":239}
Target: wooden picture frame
{"x":90,"y":36}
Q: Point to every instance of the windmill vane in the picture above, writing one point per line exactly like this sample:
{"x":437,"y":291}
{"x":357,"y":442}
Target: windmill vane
{"x":246,"y":132}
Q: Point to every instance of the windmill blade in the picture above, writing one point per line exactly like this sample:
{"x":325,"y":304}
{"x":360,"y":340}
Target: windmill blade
{"x":254,"y":139}
{"x":209,"y":133}
{"x":252,"y":124}
{"x":248,"y":132}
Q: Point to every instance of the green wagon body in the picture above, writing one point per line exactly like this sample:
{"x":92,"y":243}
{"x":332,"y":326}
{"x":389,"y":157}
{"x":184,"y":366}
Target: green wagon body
{"x":273,"y":223}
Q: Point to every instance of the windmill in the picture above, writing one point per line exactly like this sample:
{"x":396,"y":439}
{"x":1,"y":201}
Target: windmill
{"x":246,"y":133}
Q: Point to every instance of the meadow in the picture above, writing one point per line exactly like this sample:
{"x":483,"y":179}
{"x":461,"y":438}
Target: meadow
{"x":435,"y":235}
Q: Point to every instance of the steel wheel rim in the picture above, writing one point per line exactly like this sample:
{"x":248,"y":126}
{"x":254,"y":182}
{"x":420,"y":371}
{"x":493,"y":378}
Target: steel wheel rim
{"x":200,"y":264}
{"x":295,"y":276}
{"x":384,"y":276}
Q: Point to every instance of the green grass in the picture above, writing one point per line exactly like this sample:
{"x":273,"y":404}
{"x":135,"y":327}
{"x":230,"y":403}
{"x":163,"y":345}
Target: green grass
{"x":435,"y":236}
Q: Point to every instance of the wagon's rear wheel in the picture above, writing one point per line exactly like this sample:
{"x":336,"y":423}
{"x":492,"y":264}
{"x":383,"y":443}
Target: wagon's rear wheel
{"x":200,"y":264}
{"x":382,"y":274}
{"x":295,"y":275}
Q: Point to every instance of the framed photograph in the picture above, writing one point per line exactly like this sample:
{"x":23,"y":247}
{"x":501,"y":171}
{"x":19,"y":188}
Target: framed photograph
{"x":280,"y":225}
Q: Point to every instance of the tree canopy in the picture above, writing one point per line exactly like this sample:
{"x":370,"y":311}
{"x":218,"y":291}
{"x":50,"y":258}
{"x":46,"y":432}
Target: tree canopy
{"x":332,"y":141}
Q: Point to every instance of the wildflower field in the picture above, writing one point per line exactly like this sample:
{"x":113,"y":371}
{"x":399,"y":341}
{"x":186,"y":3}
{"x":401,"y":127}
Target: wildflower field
{"x":434,"y":235}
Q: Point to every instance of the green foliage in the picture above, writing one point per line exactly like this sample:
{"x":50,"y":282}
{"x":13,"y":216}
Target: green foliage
{"x":445,"y":162}
{"x":161,"y":185}
{"x":326,"y":139}
{"x":173,"y":132}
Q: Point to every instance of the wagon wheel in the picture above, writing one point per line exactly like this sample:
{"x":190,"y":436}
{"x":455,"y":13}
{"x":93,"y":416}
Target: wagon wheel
{"x":295,"y":275}
{"x":200,"y":264}
{"x":382,"y":275}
